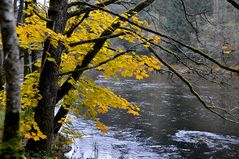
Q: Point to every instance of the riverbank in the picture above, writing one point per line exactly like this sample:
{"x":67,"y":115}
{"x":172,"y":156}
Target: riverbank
{"x":60,"y":146}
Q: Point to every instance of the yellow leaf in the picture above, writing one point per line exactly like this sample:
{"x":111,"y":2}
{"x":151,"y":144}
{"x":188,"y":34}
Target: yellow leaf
{"x":103,"y":128}
{"x":36,"y":138}
{"x":51,"y":59}
{"x":139,"y":77}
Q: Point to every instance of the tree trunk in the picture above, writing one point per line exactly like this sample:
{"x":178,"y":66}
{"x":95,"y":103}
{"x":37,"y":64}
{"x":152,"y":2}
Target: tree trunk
{"x":11,"y":140}
{"x":20,"y":14}
{"x":34,"y":54}
{"x":44,"y":112}
{"x":2,"y":74}
{"x":34,"y":59}
{"x":27,"y":69}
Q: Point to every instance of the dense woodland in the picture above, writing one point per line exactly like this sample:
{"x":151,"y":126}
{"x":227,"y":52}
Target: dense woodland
{"x":47,"y":49}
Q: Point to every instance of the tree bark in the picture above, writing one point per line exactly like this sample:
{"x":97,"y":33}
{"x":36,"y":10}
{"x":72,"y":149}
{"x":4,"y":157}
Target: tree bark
{"x":34,"y":53}
{"x":20,"y":15}
{"x":27,"y":69}
{"x":234,"y":3}
{"x":44,"y":112}
{"x":11,"y":140}
{"x":34,"y":59}
{"x":2,"y":74}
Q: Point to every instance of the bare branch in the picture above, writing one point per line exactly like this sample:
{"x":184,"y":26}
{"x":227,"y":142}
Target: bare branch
{"x":234,"y":3}
{"x":105,"y":3}
{"x":87,"y":9}
{"x":208,"y":106}
{"x":41,"y":17}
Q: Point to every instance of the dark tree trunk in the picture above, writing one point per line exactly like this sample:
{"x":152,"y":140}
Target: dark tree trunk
{"x":15,"y":7}
{"x":11,"y":140}
{"x":20,"y":14}
{"x":34,"y":59}
{"x":44,"y":112}
{"x":2,"y":74}
{"x":27,"y":69}
{"x":34,"y":54}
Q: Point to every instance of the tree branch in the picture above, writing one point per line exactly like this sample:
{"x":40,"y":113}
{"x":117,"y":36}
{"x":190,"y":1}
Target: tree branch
{"x":95,"y":66}
{"x":41,"y":17}
{"x":96,"y":39}
{"x":105,"y":3}
{"x":69,"y":32}
{"x":204,"y":54}
{"x":66,"y":87}
{"x":192,"y":89}
{"x":87,"y":9}
{"x":235,"y":4}
{"x":97,"y":46}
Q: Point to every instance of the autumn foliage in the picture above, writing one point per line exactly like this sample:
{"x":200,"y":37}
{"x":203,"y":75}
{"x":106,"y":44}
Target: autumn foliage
{"x":86,"y":98}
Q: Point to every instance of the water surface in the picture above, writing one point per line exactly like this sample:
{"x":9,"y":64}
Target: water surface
{"x":172,"y":124}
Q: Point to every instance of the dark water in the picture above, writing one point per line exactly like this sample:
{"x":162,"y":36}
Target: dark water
{"x":172,"y":124}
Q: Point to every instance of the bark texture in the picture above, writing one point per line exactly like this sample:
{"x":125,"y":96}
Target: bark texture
{"x":2,"y":74}
{"x":11,"y":140}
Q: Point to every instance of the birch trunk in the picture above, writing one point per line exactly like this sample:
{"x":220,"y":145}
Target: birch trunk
{"x":11,"y":140}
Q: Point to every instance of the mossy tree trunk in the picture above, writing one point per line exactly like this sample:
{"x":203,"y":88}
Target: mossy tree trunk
{"x":10,"y":141}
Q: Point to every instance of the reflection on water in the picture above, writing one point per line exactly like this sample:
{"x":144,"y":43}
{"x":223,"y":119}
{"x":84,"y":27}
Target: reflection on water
{"x":172,"y":124}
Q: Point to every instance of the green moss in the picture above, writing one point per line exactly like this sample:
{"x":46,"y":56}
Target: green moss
{"x":12,"y":148}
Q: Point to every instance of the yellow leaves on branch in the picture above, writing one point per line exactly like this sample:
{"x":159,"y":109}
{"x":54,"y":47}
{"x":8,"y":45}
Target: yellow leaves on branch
{"x":29,"y":91}
{"x":65,"y":120}
{"x":29,"y":99}
{"x":30,"y":130}
{"x":92,"y":100}
{"x":3,"y":100}
{"x":101,"y":126}
{"x":131,"y":65}
{"x":87,"y":99}
{"x":69,"y":61}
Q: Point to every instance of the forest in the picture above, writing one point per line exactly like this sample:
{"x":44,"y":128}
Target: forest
{"x":119,"y":79}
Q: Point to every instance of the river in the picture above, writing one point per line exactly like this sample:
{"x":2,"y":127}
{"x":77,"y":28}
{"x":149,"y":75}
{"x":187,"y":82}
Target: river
{"x":172,"y":124}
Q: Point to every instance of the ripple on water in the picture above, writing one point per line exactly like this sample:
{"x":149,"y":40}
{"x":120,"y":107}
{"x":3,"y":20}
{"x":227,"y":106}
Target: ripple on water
{"x":210,"y":141}
{"x":117,"y":144}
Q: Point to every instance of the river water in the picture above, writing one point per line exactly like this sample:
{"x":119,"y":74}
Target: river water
{"x":172,"y":124}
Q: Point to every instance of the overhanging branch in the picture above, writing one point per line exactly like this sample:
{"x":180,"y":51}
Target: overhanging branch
{"x":95,"y":40}
{"x":234,"y":3}
{"x":208,"y":106}
{"x":204,"y":54}
{"x":66,"y":87}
